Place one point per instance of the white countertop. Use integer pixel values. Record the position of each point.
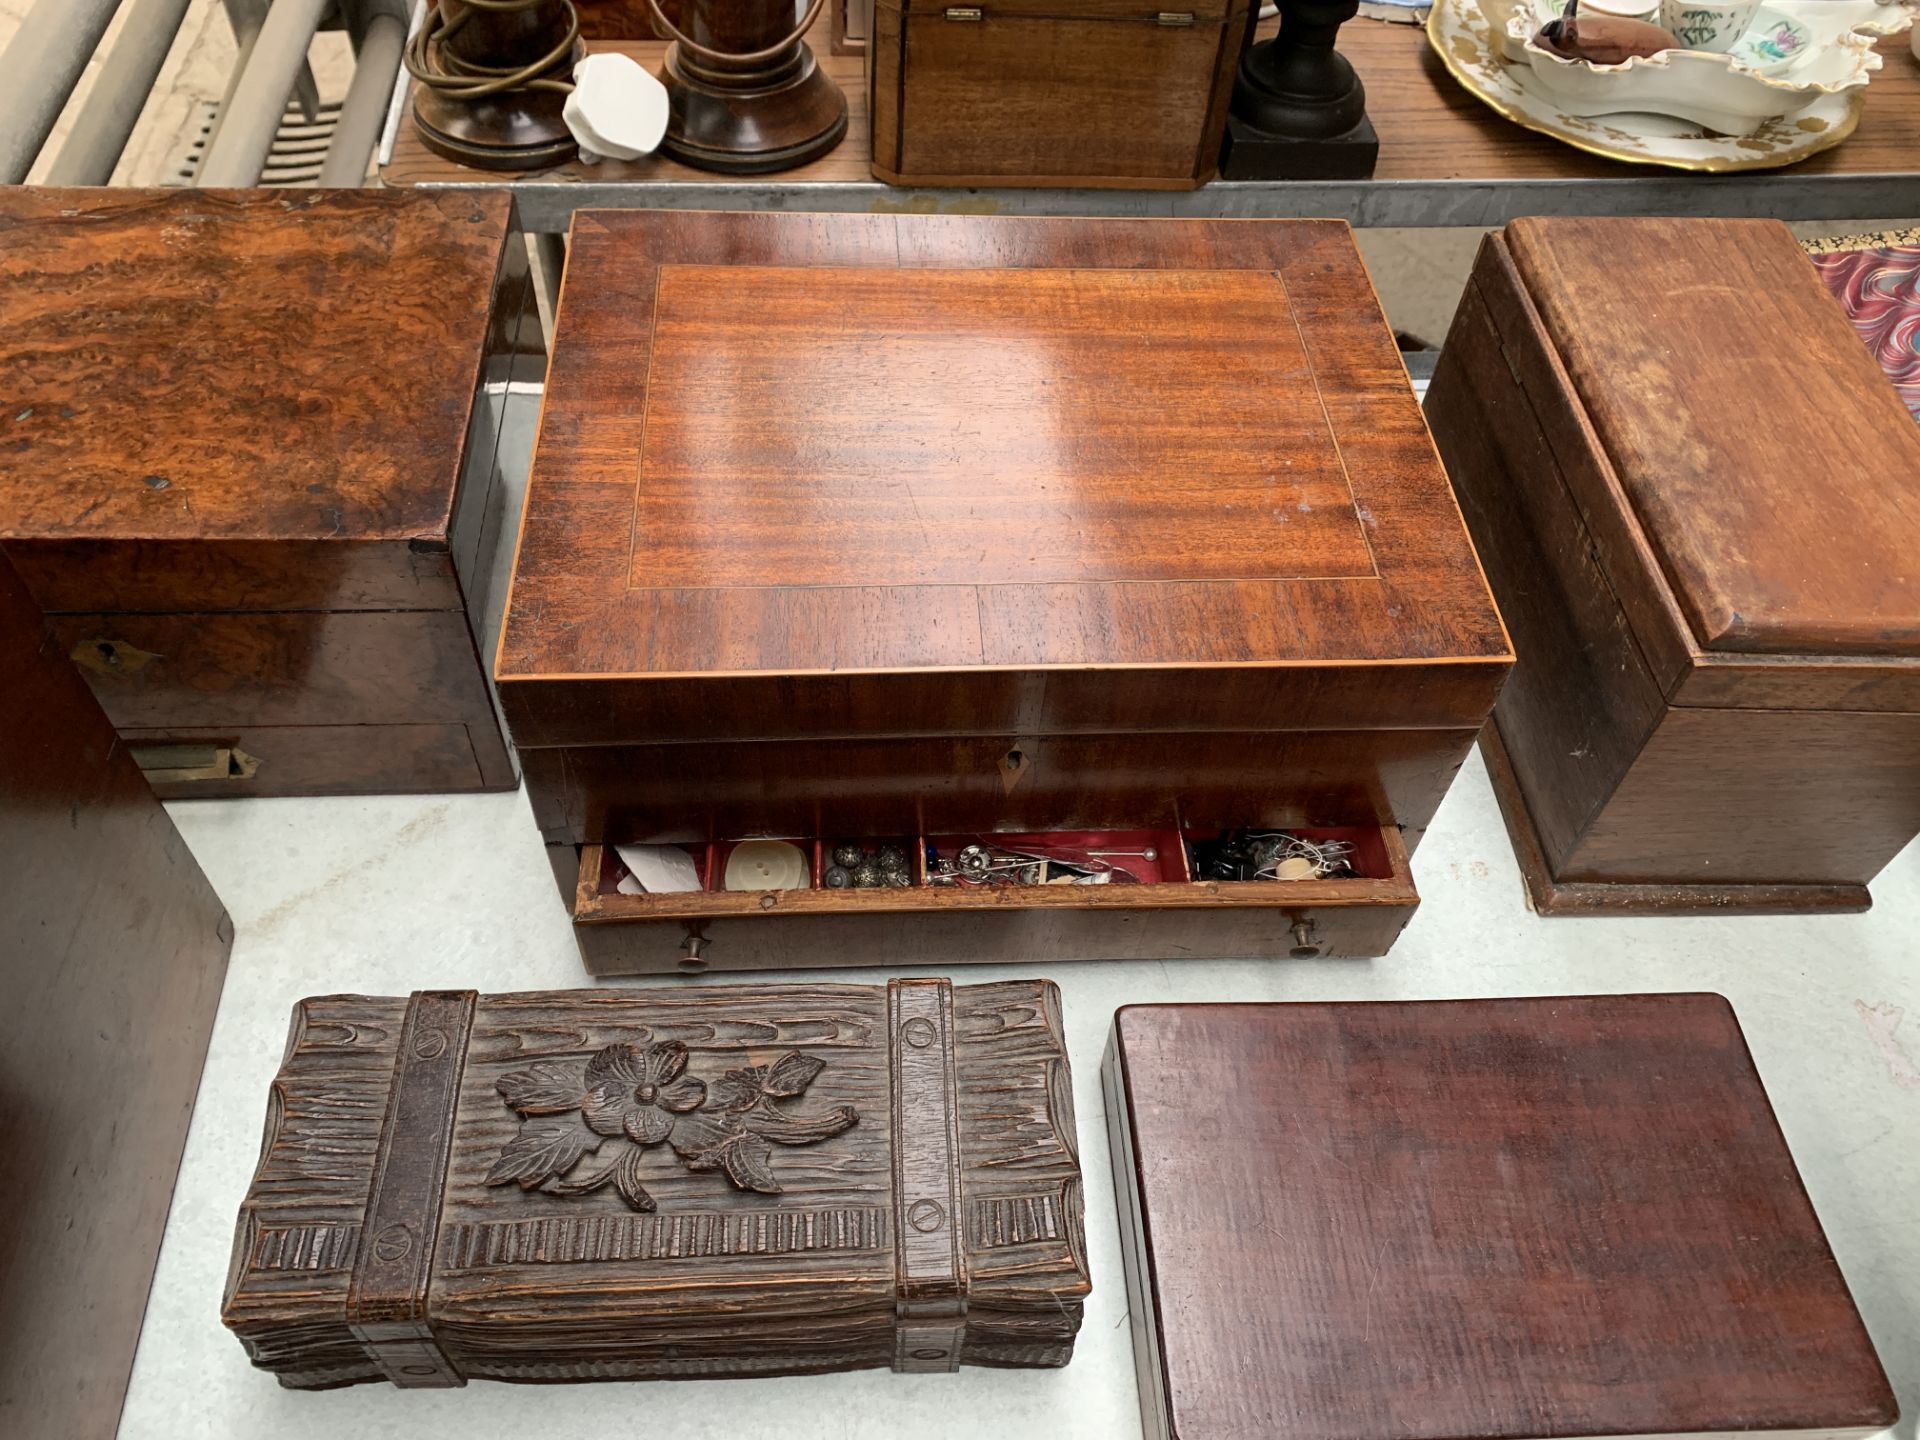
(389, 895)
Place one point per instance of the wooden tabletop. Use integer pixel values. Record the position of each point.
(1445, 159)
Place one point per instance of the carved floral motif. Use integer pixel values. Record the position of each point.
(639, 1098)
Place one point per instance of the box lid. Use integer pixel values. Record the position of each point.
(1480, 1218)
(1770, 466)
(941, 453)
(257, 399)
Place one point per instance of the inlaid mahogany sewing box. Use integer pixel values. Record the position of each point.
(1695, 493)
(113, 947)
(249, 472)
(644, 1184)
(921, 527)
(1506, 1219)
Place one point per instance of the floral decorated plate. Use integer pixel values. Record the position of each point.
(1779, 67)
(1471, 42)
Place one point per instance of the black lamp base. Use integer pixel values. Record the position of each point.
(1250, 153)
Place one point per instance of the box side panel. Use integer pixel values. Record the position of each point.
(113, 946)
(1757, 797)
(1105, 99)
(1022, 1208)
(299, 1231)
(1581, 700)
(1095, 700)
(173, 576)
(358, 668)
(996, 936)
(694, 1183)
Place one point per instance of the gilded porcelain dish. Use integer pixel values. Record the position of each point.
(1791, 55)
(1463, 33)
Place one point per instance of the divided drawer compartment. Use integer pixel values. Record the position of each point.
(1174, 916)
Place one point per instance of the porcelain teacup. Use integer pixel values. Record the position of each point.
(1707, 24)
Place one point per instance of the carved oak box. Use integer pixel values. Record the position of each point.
(923, 527)
(249, 475)
(600, 1185)
(1472, 1220)
(1715, 706)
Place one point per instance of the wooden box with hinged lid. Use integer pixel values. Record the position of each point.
(921, 527)
(608, 1185)
(1115, 93)
(1698, 510)
(249, 473)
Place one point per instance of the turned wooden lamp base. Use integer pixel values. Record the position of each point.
(1554, 897)
(521, 130)
(750, 122)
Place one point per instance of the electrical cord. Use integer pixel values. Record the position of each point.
(429, 61)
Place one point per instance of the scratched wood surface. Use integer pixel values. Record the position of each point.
(1471, 1218)
(681, 1264)
(1429, 127)
(222, 365)
(1714, 642)
(1740, 536)
(114, 947)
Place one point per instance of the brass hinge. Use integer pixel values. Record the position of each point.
(964, 12)
(1174, 17)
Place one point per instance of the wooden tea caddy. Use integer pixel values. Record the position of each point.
(1101, 93)
(113, 946)
(1505, 1219)
(925, 527)
(1693, 489)
(250, 473)
(790, 1179)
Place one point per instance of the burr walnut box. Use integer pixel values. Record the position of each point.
(1698, 513)
(632, 1184)
(249, 473)
(1504, 1219)
(925, 527)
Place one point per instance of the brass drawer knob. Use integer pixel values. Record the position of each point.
(1306, 943)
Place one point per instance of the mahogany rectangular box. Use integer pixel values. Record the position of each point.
(643, 1184)
(1697, 510)
(250, 473)
(113, 947)
(1103, 93)
(1506, 1219)
(918, 526)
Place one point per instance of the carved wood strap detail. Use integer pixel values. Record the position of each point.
(387, 1301)
(930, 1270)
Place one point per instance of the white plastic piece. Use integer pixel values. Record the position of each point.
(617, 110)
